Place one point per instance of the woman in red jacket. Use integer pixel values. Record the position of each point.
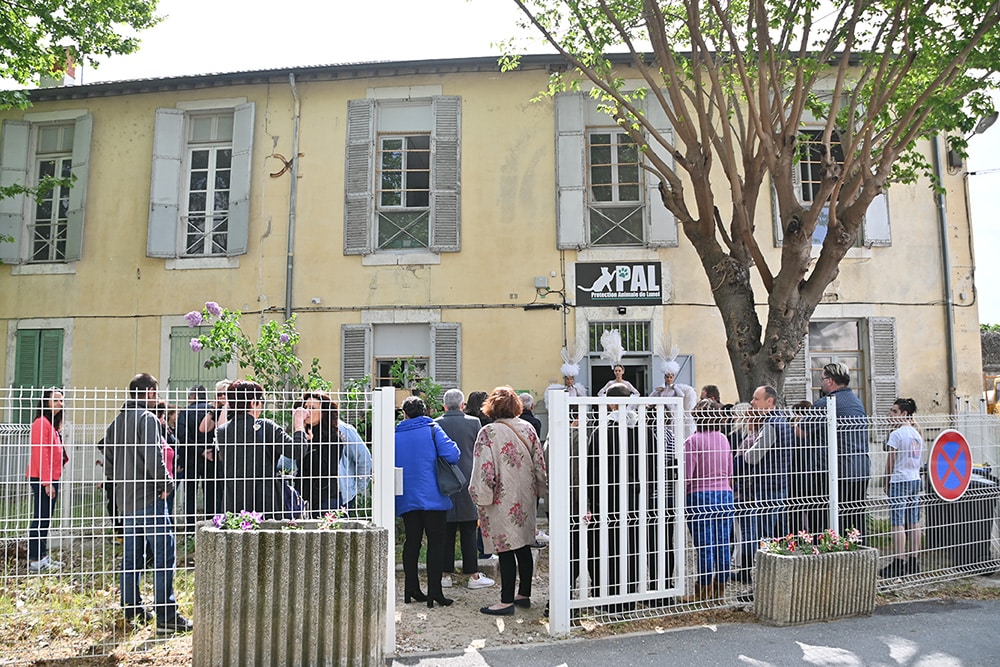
(44, 470)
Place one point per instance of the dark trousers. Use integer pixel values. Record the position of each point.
(852, 510)
(466, 530)
(515, 566)
(417, 523)
(38, 531)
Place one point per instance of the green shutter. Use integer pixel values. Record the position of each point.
(26, 358)
(50, 348)
(37, 363)
(187, 367)
(82, 133)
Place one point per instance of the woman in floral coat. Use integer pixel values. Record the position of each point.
(508, 477)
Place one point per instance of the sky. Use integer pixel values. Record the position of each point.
(204, 36)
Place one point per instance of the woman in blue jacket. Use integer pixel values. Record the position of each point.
(424, 509)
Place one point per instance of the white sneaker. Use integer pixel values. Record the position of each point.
(44, 565)
(542, 537)
(446, 581)
(482, 582)
(490, 557)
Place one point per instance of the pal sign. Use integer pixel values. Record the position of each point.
(618, 284)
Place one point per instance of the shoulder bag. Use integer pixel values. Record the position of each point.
(450, 477)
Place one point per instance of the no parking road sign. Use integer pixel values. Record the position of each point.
(950, 465)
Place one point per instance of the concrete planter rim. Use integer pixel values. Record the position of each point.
(301, 526)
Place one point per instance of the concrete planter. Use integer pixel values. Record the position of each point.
(291, 597)
(801, 589)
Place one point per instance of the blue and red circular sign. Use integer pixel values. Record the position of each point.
(950, 465)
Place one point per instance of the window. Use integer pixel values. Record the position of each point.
(37, 364)
(187, 367)
(807, 177)
(867, 346)
(402, 176)
(47, 229)
(404, 192)
(209, 159)
(604, 198)
(415, 367)
(371, 349)
(200, 183)
(615, 210)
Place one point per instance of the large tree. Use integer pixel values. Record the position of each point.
(736, 80)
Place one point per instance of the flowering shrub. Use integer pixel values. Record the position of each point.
(243, 521)
(271, 360)
(332, 520)
(803, 543)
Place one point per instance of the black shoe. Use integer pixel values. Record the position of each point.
(524, 603)
(618, 608)
(414, 595)
(440, 599)
(503, 611)
(746, 598)
(174, 625)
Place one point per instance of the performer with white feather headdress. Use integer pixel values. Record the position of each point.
(611, 341)
(570, 369)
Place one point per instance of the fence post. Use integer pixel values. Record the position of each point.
(832, 462)
(383, 494)
(559, 509)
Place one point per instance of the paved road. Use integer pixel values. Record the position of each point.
(948, 633)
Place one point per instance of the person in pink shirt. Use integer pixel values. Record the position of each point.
(708, 468)
(44, 471)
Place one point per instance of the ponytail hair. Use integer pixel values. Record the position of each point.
(907, 405)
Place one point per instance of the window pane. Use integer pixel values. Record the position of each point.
(201, 128)
(196, 202)
(223, 158)
(222, 179)
(836, 335)
(199, 159)
(224, 128)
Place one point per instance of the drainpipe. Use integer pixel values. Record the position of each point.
(949, 303)
(292, 198)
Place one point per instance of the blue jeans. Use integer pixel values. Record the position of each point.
(710, 520)
(149, 529)
(38, 531)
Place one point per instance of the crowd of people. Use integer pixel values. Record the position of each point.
(753, 471)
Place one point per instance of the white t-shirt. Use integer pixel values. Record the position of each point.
(909, 447)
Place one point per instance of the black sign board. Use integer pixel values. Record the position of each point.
(618, 284)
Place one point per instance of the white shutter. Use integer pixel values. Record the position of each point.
(661, 224)
(355, 352)
(882, 345)
(571, 165)
(446, 170)
(239, 185)
(165, 183)
(779, 233)
(13, 170)
(446, 362)
(82, 133)
(359, 200)
(797, 383)
(877, 222)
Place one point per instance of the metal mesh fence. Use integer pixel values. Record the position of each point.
(63, 551)
(746, 476)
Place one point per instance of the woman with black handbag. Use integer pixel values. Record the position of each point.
(420, 441)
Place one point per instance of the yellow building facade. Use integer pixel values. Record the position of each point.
(435, 213)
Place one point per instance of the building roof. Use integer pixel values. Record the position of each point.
(302, 74)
